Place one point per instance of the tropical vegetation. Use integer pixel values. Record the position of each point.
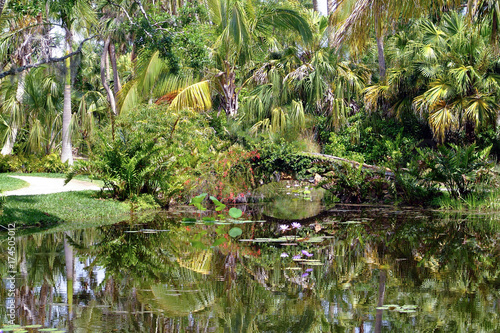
(170, 99)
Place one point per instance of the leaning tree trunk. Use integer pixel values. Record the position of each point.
(104, 79)
(116, 79)
(66, 152)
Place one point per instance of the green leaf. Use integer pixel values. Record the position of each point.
(198, 245)
(235, 232)
(220, 241)
(188, 220)
(235, 213)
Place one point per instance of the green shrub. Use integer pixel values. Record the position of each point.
(32, 163)
(285, 157)
(461, 169)
(154, 152)
(374, 140)
(355, 185)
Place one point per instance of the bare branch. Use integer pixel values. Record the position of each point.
(128, 16)
(16, 70)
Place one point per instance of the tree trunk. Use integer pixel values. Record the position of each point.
(15, 121)
(380, 48)
(315, 6)
(381, 296)
(104, 79)
(66, 152)
(2, 4)
(229, 94)
(70, 269)
(329, 11)
(116, 78)
(174, 7)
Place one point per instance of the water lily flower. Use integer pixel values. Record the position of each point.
(307, 254)
(283, 227)
(297, 257)
(296, 225)
(284, 255)
(309, 270)
(305, 274)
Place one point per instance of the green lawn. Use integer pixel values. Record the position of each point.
(9, 184)
(75, 208)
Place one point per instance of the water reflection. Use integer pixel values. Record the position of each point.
(370, 263)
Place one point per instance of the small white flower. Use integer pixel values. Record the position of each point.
(283, 227)
(296, 225)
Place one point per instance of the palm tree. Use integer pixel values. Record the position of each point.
(312, 81)
(22, 37)
(379, 14)
(240, 24)
(72, 14)
(446, 73)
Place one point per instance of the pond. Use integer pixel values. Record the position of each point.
(348, 269)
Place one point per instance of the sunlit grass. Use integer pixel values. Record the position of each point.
(60, 208)
(481, 201)
(9, 183)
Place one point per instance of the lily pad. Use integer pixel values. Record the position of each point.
(235, 213)
(235, 232)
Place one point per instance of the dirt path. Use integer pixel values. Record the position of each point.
(42, 185)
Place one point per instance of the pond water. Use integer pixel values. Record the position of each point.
(350, 269)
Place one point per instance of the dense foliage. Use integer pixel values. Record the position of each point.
(176, 98)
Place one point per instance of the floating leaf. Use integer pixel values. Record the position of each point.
(33, 326)
(188, 220)
(198, 245)
(235, 232)
(219, 241)
(208, 219)
(235, 213)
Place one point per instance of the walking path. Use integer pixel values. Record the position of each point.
(43, 185)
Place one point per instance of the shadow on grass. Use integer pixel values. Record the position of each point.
(66, 210)
(30, 217)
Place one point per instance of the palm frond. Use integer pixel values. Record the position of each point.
(196, 96)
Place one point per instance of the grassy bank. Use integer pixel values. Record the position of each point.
(10, 184)
(75, 208)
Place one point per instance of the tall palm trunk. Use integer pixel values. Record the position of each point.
(229, 92)
(66, 152)
(315, 5)
(329, 11)
(15, 121)
(380, 48)
(381, 297)
(70, 269)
